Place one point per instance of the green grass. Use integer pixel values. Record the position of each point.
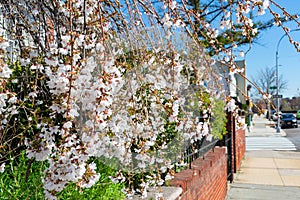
(14, 186)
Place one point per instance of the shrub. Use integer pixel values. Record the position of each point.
(23, 180)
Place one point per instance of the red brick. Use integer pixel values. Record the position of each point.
(207, 179)
(183, 179)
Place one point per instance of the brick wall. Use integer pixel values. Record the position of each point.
(238, 143)
(240, 147)
(207, 179)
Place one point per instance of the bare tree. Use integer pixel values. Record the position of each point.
(266, 81)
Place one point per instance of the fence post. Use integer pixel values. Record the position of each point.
(229, 144)
(234, 143)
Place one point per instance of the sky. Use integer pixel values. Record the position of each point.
(263, 54)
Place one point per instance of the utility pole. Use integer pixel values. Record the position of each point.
(277, 89)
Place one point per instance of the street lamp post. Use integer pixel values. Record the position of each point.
(277, 87)
(277, 81)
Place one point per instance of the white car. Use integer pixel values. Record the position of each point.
(274, 116)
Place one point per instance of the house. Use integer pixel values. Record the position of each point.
(234, 83)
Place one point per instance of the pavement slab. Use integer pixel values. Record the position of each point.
(289, 172)
(270, 171)
(288, 163)
(264, 176)
(262, 192)
(273, 154)
(291, 180)
(259, 163)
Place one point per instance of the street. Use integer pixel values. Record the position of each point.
(293, 134)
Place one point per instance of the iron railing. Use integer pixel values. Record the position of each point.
(199, 148)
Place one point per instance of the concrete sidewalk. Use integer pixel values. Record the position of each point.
(262, 127)
(267, 174)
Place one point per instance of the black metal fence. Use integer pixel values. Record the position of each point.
(198, 148)
(227, 142)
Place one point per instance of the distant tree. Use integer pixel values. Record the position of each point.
(294, 102)
(285, 105)
(266, 81)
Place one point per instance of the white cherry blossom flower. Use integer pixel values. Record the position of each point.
(68, 124)
(266, 4)
(2, 167)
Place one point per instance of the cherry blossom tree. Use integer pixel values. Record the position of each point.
(118, 80)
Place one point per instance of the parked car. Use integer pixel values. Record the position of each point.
(288, 120)
(274, 116)
(298, 114)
